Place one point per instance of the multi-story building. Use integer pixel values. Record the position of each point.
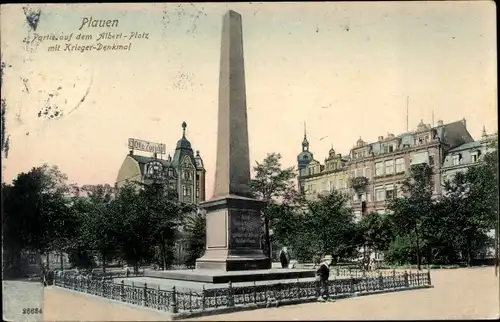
(319, 178)
(374, 171)
(184, 172)
(460, 158)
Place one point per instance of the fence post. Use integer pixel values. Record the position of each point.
(158, 296)
(393, 272)
(351, 285)
(122, 291)
(230, 298)
(380, 281)
(190, 301)
(429, 277)
(203, 298)
(145, 295)
(255, 292)
(173, 304)
(102, 287)
(86, 284)
(298, 289)
(407, 284)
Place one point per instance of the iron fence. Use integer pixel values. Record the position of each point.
(356, 272)
(176, 301)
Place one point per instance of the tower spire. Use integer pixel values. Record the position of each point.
(184, 125)
(305, 143)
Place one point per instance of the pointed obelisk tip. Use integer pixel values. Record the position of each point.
(233, 13)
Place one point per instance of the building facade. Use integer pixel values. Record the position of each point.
(460, 158)
(319, 178)
(373, 172)
(184, 172)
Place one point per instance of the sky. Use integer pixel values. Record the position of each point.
(344, 68)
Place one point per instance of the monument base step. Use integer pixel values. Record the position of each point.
(220, 277)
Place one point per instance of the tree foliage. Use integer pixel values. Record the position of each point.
(332, 222)
(276, 188)
(195, 235)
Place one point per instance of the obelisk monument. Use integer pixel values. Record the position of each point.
(233, 233)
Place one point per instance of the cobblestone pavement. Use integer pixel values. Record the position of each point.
(457, 294)
(19, 295)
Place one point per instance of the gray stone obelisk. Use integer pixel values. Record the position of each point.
(233, 233)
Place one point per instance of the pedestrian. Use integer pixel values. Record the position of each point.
(284, 257)
(322, 275)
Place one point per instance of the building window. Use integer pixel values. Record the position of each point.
(455, 160)
(391, 148)
(197, 192)
(390, 193)
(359, 173)
(368, 173)
(341, 183)
(399, 192)
(368, 197)
(431, 160)
(379, 168)
(400, 165)
(186, 191)
(474, 157)
(379, 194)
(389, 167)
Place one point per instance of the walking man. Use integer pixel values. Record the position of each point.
(322, 275)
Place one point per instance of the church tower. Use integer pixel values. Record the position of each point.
(303, 159)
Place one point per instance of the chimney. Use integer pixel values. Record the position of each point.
(464, 122)
(380, 138)
(440, 122)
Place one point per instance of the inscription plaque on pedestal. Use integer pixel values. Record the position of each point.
(245, 229)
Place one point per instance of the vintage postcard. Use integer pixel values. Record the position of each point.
(219, 161)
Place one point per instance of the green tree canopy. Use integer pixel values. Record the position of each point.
(332, 223)
(277, 188)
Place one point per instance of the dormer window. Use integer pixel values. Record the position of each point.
(391, 148)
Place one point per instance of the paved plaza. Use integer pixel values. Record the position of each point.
(457, 294)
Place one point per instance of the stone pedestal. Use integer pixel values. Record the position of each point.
(233, 240)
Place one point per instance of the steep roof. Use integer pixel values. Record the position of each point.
(466, 146)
